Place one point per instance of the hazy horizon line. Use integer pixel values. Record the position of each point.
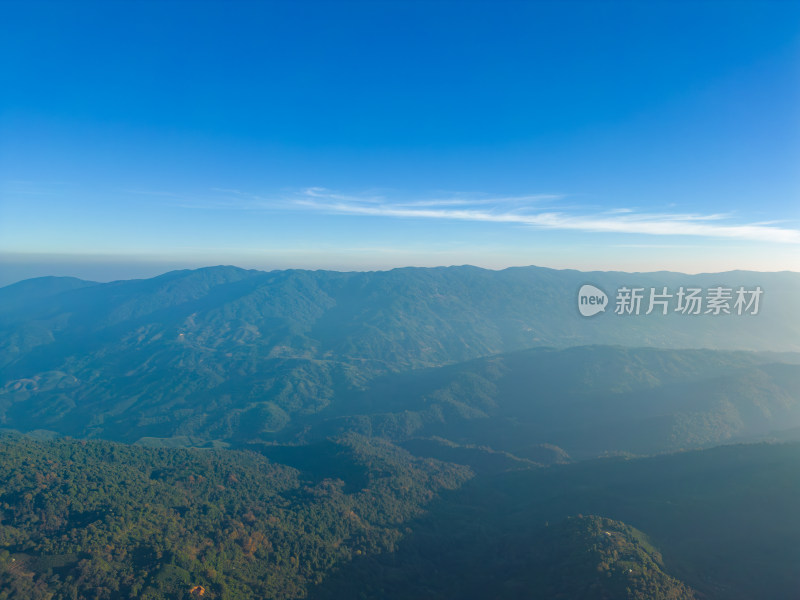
(149, 266)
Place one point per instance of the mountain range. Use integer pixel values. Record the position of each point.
(229, 354)
(417, 433)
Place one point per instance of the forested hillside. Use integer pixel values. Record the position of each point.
(362, 518)
(586, 400)
(224, 353)
(418, 433)
(100, 520)
(722, 521)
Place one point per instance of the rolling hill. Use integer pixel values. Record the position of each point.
(416, 433)
(228, 354)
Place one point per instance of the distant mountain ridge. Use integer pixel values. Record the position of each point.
(383, 435)
(403, 317)
(587, 401)
(225, 353)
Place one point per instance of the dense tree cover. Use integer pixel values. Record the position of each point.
(724, 519)
(591, 558)
(321, 433)
(597, 559)
(100, 520)
(586, 401)
(90, 519)
(411, 316)
(224, 353)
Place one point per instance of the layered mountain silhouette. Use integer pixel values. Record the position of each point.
(229, 354)
(417, 433)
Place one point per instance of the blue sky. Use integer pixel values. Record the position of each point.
(141, 136)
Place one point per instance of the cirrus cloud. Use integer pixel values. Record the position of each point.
(522, 211)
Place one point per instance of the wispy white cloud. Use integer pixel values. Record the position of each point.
(482, 201)
(625, 221)
(540, 211)
(325, 194)
(656, 246)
